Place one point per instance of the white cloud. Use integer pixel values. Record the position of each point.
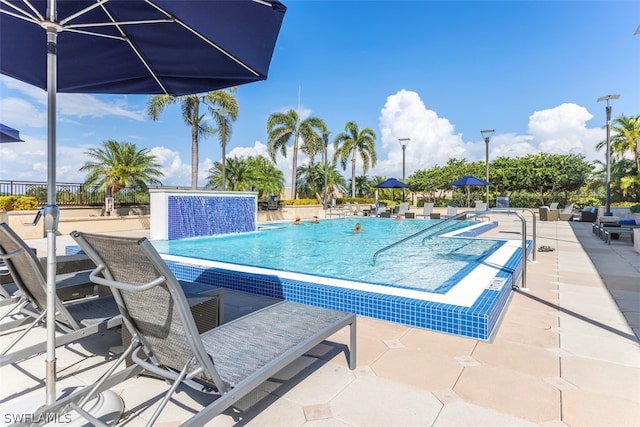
(27, 161)
(433, 140)
(559, 130)
(563, 129)
(20, 112)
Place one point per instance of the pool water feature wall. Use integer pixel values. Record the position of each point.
(178, 214)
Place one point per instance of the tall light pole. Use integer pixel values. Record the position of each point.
(325, 138)
(403, 143)
(608, 179)
(486, 134)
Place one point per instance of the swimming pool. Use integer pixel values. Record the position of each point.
(330, 249)
(410, 284)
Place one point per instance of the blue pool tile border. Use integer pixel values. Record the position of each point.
(478, 321)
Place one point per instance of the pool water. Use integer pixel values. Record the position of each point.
(330, 249)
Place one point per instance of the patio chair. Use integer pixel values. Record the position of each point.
(481, 207)
(403, 209)
(589, 214)
(452, 210)
(75, 319)
(567, 213)
(72, 281)
(553, 206)
(351, 209)
(230, 360)
(359, 210)
(427, 209)
(546, 214)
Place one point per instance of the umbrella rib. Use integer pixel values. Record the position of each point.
(135, 50)
(206, 40)
(98, 3)
(110, 24)
(35, 17)
(220, 49)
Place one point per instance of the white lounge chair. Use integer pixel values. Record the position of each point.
(427, 209)
(403, 209)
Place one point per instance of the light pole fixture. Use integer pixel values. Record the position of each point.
(607, 98)
(486, 134)
(403, 143)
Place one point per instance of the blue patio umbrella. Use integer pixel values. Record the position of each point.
(129, 47)
(390, 183)
(9, 134)
(468, 181)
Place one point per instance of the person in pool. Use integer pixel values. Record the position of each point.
(358, 228)
(315, 220)
(297, 221)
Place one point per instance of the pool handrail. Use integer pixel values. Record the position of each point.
(394, 244)
(534, 233)
(473, 214)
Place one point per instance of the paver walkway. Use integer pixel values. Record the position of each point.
(566, 354)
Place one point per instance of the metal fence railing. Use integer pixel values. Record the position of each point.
(73, 194)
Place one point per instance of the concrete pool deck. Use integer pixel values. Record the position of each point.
(566, 354)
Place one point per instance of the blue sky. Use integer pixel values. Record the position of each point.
(435, 72)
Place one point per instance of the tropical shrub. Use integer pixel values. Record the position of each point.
(20, 203)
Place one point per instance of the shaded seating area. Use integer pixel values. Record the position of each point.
(229, 361)
(75, 319)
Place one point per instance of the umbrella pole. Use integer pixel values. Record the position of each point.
(51, 211)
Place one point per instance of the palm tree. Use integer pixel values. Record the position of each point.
(363, 186)
(253, 173)
(268, 179)
(222, 105)
(310, 179)
(118, 165)
(626, 137)
(282, 126)
(352, 142)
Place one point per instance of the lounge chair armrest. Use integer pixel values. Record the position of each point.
(120, 285)
(11, 254)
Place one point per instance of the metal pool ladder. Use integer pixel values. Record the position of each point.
(473, 214)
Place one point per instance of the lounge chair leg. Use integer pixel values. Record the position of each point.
(25, 332)
(352, 346)
(167, 396)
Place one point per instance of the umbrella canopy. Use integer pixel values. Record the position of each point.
(468, 181)
(140, 47)
(392, 183)
(8, 134)
(129, 47)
